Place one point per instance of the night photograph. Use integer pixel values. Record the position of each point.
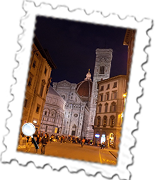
(76, 90)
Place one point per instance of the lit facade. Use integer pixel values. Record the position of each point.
(101, 71)
(74, 114)
(53, 113)
(37, 85)
(81, 98)
(109, 109)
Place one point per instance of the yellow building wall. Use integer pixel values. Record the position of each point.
(32, 94)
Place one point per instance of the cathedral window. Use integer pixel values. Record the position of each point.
(106, 107)
(63, 96)
(101, 69)
(75, 115)
(115, 85)
(25, 103)
(45, 113)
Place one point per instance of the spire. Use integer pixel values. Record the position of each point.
(88, 76)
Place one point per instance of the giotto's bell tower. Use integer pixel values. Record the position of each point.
(101, 72)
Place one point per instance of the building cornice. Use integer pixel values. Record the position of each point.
(44, 53)
(112, 78)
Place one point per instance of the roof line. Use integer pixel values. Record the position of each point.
(44, 52)
(119, 76)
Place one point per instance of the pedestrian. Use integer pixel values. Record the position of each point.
(82, 142)
(38, 141)
(103, 145)
(61, 139)
(51, 138)
(44, 143)
(28, 144)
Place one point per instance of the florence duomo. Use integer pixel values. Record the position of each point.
(80, 100)
(76, 90)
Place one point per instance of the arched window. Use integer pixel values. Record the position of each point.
(112, 121)
(101, 69)
(74, 126)
(98, 120)
(46, 112)
(106, 107)
(63, 96)
(113, 107)
(99, 108)
(104, 121)
(53, 113)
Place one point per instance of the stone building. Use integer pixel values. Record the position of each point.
(53, 113)
(81, 98)
(38, 83)
(77, 97)
(110, 106)
(129, 41)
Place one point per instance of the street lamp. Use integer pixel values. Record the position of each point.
(124, 95)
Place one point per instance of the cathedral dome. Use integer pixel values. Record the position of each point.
(84, 88)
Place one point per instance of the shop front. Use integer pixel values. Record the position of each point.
(112, 140)
(97, 139)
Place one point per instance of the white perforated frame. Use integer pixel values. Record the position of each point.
(132, 107)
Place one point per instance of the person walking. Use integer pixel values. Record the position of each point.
(103, 145)
(38, 140)
(61, 139)
(82, 142)
(44, 143)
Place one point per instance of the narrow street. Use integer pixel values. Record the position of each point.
(75, 151)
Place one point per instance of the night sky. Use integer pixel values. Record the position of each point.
(72, 47)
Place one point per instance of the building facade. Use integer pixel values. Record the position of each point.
(38, 83)
(75, 107)
(109, 109)
(129, 41)
(81, 98)
(53, 113)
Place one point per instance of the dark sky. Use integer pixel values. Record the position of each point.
(72, 47)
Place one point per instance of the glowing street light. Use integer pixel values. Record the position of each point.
(124, 95)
